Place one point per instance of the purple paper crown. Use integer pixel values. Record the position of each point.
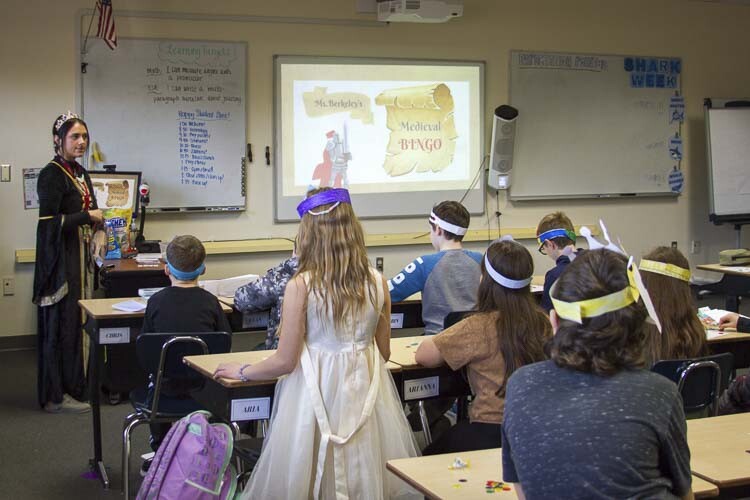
(324, 198)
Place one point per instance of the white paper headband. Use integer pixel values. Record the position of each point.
(502, 280)
(447, 226)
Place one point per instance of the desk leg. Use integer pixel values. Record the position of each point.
(97, 463)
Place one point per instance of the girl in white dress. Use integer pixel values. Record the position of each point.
(336, 415)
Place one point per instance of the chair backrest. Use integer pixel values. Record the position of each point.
(160, 354)
(700, 381)
(454, 317)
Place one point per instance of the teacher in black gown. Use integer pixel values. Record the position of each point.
(64, 271)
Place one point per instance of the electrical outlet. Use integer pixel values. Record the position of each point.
(674, 245)
(9, 286)
(695, 246)
(5, 176)
(379, 264)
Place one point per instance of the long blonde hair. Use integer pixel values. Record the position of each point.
(331, 249)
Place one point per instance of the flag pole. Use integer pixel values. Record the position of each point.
(88, 31)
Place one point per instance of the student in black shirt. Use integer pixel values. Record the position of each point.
(183, 307)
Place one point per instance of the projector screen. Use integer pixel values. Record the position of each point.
(400, 135)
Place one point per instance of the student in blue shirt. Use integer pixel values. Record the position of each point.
(448, 279)
(557, 238)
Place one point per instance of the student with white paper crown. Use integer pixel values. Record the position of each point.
(449, 278)
(508, 331)
(591, 422)
(448, 281)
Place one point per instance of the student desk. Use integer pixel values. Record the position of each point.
(432, 477)
(237, 401)
(735, 282)
(107, 327)
(404, 314)
(718, 449)
(123, 277)
(731, 341)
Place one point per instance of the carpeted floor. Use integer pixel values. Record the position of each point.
(45, 455)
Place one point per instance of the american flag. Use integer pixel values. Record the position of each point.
(106, 30)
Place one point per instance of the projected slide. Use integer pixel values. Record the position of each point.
(379, 128)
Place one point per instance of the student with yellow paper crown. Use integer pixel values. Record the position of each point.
(666, 274)
(591, 422)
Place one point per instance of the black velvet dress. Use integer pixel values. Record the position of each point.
(63, 270)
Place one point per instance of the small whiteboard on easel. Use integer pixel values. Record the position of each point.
(728, 148)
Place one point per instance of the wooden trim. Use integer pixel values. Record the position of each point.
(28, 255)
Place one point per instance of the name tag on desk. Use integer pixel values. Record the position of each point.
(255, 319)
(250, 409)
(117, 335)
(397, 320)
(421, 388)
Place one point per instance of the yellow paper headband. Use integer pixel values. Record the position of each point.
(665, 269)
(589, 308)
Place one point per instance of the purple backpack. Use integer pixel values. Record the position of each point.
(193, 462)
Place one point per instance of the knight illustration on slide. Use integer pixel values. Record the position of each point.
(332, 172)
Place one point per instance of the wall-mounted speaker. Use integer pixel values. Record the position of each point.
(501, 151)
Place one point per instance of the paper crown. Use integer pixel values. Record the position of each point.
(335, 196)
(499, 278)
(589, 308)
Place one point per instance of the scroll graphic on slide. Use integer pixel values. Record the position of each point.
(423, 131)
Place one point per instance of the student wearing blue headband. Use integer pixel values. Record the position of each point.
(184, 307)
(556, 237)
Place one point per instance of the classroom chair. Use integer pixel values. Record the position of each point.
(462, 413)
(160, 354)
(700, 381)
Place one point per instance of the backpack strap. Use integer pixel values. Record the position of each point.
(327, 436)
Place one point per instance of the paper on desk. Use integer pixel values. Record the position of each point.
(147, 257)
(227, 286)
(129, 306)
(710, 316)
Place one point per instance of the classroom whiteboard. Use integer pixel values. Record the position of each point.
(728, 131)
(595, 125)
(174, 110)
